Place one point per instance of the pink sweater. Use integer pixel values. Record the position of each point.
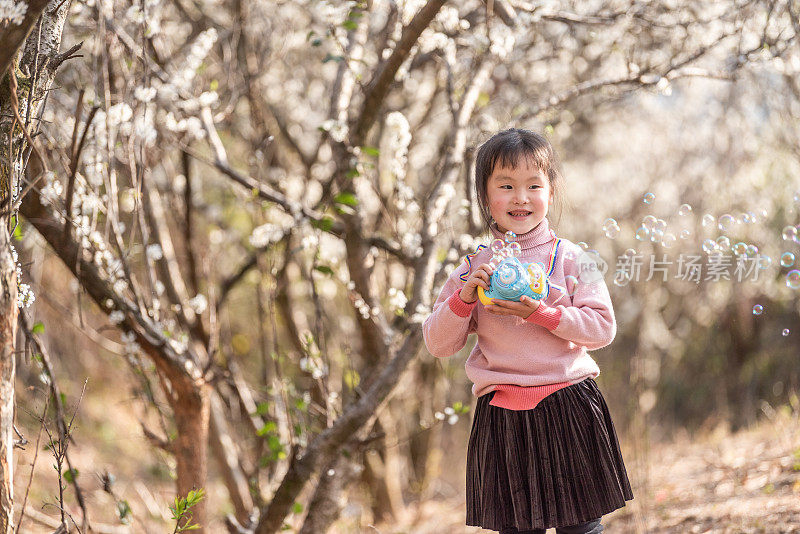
(525, 360)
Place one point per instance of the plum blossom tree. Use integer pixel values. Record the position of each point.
(299, 174)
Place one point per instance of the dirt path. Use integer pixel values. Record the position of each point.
(747, 482)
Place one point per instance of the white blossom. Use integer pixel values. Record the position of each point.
(397, 299)
(336, 129)
(198, 303)
(334, 13)
(52, 190)
(154, 252)
(13, 11)
(25, 296)
(410, 8)
(265, 234)
(208, 98)
(116, 317)
(502, 41)
(398, 133)
(145, 94)
(130, 346)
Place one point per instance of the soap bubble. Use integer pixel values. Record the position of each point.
(725, 222)
(708, 220)
(709, 245)
(785, 332)
(612, 232)
(515, 248)
(787, 259)
(622, 278)
(649, 222)
(630, 253)
(661, 225)
(571, 282)
(793, 279)
(789, 233)
(764, 262)
(723, 242)
(497, 246)
(753, 217)
(668, 240)
(656, 235)
(583, 244)
(609, 222)
(510, 237)
(642, 233)
(648, 198)
(758, 309)
(684, 210)
(740, 248)
(686, 234)
(752, 250)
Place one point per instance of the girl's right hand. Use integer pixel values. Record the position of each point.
(469, 293)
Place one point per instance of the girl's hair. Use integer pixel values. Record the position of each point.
(505, 149)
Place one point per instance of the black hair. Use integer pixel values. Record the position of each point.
(505, 149)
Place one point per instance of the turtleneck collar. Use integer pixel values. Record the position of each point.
(540, 234)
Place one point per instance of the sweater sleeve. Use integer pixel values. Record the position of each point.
(446, 329)
(589, 321)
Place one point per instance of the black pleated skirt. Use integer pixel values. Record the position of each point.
(556, 465)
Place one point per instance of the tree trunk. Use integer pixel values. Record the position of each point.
(191, 406)
(224, 450)
(8, 331)
(330, 495)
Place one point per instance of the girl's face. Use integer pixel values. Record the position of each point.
(518, 198)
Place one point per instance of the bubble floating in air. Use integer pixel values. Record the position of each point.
(725, 222)
(785, 332)
(684, 210)
(793, 279)
(648, 198)
(709, 220)
(758, 309)
(787, 259)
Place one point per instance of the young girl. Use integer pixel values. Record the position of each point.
(543, 451)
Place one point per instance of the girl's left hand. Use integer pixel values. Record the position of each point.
(523, 308)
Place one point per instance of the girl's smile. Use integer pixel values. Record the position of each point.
(518, 198)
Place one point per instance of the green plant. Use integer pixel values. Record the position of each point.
(182, 510)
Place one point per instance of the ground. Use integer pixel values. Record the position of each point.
(713, 481)
(717, 482)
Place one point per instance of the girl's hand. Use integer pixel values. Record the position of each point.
(523, 308)
(469, 293)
